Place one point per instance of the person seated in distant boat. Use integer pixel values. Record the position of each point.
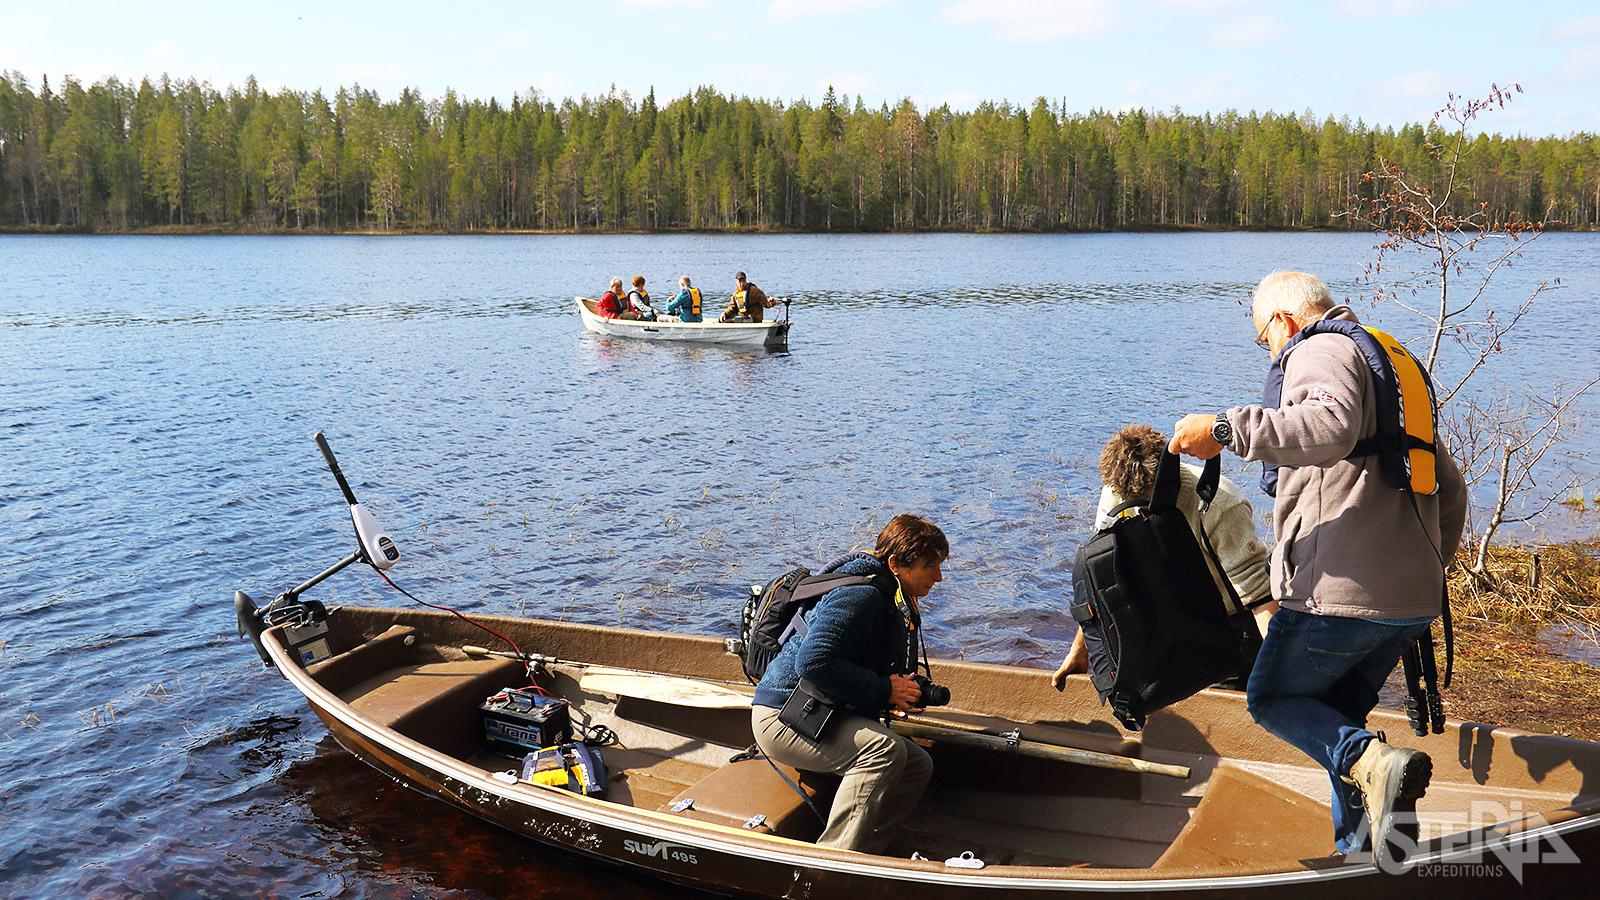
(747, 303)
(613, 304)
(685, 304)
(1128, 472)
(860, 647)
(639, 300)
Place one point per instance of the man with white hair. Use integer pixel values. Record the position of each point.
(614, 303)
(1358, 565)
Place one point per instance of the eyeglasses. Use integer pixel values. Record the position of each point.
(1261, 335)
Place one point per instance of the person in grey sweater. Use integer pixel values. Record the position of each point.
(1357, 568)
(1128, 472)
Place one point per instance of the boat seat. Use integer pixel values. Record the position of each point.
(1243, 819)
(737, 793)
(436, 703)
(345, 670)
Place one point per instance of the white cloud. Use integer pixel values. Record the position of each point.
(164, 54)
(1033, 21)
(1246, 31)
(514, 40)
(1579, 71)
(1201, 7)
(1391, 8)
(1433, 83)
(1574, 29)
(793, 10)
(660, 5)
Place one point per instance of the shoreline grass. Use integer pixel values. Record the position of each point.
(1506, 671)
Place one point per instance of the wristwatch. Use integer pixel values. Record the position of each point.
(1221, 431)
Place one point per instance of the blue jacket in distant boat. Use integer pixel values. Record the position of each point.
(685, 304)
(855, 638)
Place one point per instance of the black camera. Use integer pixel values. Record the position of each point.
(932, 694)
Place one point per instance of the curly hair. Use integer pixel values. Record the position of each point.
(912, 540)
(1128, 462)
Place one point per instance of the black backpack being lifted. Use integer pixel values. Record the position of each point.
(774, 613)
(1157, 628)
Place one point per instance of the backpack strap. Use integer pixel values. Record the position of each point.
(1210, 480)
(1246, 633)
(808, 589)
(1168, 481)
(1117, 511)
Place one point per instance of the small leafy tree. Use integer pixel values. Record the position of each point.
(1439, 253)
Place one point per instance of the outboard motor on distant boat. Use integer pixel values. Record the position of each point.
(303, 618)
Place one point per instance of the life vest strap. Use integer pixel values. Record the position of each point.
(1405, 443)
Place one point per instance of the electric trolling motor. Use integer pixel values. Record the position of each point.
(373, 546)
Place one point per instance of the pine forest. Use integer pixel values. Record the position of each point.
(115, 156)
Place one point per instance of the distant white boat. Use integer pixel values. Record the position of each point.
(732, 334)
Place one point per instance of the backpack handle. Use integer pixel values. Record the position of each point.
(1168, 480)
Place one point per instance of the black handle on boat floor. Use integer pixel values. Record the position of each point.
(333, 464)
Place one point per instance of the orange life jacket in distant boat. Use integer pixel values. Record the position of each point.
(694, 301)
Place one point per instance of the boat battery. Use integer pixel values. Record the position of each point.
(517, 722)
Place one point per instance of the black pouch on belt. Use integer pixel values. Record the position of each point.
(808, 711)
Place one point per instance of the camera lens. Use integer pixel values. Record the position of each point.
(932, 694)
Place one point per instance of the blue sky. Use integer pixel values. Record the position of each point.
(1385, 61)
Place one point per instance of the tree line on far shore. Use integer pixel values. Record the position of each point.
(116, 156)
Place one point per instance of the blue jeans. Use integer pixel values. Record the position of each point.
(1314, 682)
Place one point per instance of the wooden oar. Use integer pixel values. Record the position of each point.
(681, 691)
(1037, 749)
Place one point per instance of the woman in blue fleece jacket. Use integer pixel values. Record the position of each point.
(860, 648)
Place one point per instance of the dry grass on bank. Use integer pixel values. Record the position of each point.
(1505, 674)
(1531, 585)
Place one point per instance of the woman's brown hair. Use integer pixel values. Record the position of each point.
(1128, 462)
(913, 540)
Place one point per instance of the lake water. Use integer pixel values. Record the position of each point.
(157, 404)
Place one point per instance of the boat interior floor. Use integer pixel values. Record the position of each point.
(1004, 808)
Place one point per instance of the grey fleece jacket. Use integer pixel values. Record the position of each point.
(1347, 544)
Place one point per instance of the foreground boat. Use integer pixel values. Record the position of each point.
(1035, 793)
(1506, 810)
(774, 334)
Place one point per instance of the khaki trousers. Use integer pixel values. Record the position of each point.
(884, 774)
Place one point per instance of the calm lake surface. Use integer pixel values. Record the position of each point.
(157, 404)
